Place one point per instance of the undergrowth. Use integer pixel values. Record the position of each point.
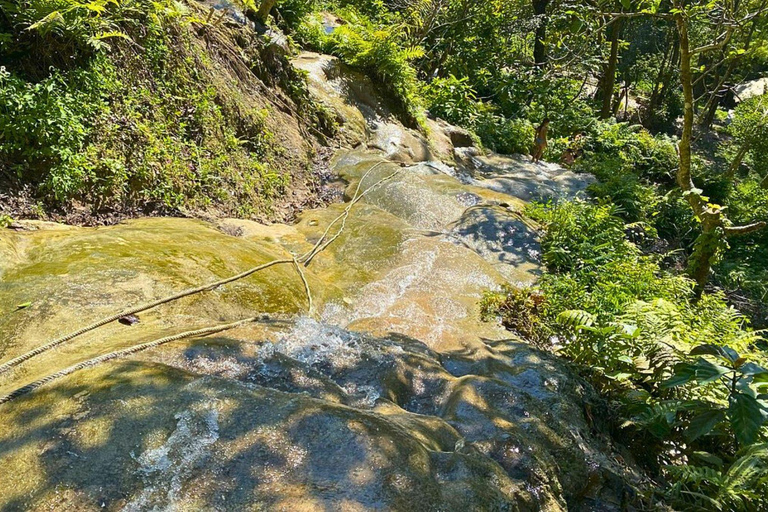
(375, 48)
(688, 379)
(129, 114)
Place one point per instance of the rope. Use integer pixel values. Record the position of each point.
(306, 283)
(121, 353)
(320, 246)
(132, 311)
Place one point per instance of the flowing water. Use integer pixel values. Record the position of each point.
(390, 394)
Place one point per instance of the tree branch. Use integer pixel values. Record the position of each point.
(743, 230)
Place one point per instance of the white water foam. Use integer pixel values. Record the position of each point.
(166, 469)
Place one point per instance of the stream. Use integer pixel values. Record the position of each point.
(390, 394)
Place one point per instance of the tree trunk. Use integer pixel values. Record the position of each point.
(653, 102)
(714, 229)
(609, 76)
(707, 247)
(264, 10)
(539, 49)
(736, 163)
(710, 109)
(708, 242)
(674, 60)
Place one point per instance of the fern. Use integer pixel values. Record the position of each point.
(576, 319)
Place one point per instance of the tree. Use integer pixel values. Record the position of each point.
(730, 16)
(750, 132)
(260, 15)
(715, 226)
(609, 73)
(539, 47)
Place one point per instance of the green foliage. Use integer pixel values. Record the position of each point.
(63, 32)
(505, 135)
(741, 382)
(376, 49)
(44, 126)
(745, 266)
(739, 486)
(293, 12)
(580, 235)
(453, 99)
(630, 149)
(750, 130)
(152, 131)
(520, 310)
(684, 374)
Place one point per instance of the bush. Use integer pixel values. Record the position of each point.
(64, 33)
(505, 135)
(293, 12)
(44, 127)
(750, 129)
(454, 100)
(376, 50)
(152, 131)
(629, 149)
(519, 309)
(636, 202)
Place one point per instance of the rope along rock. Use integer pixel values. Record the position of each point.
(305, 259)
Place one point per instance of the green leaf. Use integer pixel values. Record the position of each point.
(726, 353)
(703, 423)
(752, 369)
(707, 372)
(618, 375)
(684, 373)
(746, 417)
(53, 17)
(709, 458)
(576, 318)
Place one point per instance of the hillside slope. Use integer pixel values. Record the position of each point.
(187, 112)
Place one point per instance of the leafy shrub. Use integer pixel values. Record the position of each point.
(44, 126)
(630, 149)
(519, 308)
(745, 266)
(636, 201)
(580, 234)
(452, 99)
(152, 131)
(750, 129)
(505, 135)
(64, 32)
(526, 93)
(293, 12)
(685, 375)
(376, 50)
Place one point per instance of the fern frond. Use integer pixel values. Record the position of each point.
(576, 318)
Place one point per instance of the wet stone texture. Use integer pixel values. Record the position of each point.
(317, 418)
(389, 395)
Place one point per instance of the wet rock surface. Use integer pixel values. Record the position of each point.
(389, 395)
(313, 417)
